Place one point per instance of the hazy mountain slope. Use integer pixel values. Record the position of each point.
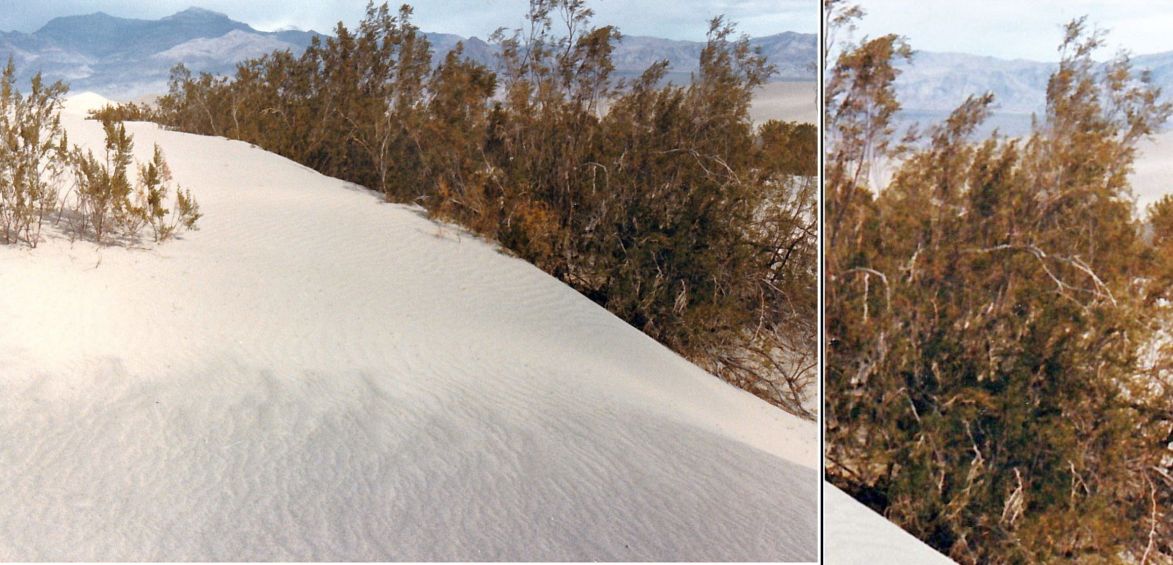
(933, 84)
(317, 375)
(127, 58)
(942, 81)
(103, 35)
(225, 50)
(794, 55)
(1161, 66)
(474, 48)
(29, 52)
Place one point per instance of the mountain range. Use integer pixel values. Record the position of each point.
(933, 84)
(124, 58)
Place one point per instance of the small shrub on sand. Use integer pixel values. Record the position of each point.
(109, 205)
(33, 157)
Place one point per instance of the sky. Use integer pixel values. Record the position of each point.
(1019, 29)
(673, 19)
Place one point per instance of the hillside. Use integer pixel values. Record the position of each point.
(128, 58)
(933, 84)
(938, 82)
(125, 58)
(316, 375)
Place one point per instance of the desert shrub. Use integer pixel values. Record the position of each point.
(533, 233)
(125, 112)
(669, 208)
(789, 148)
(154, 178)
(36, 162)
(108, 204)
(104, 188)
(994, 383)
(33, 159)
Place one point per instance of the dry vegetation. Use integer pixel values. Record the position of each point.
(670, 208)
(103, 201)
(995, 381)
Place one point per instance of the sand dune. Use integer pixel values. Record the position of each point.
(1153, 174)
(317, 375)
(855, 535)
(786, 101)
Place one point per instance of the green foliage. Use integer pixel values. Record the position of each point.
(663, 204)
(991, 379)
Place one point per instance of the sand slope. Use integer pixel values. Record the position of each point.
(786, 101)
(855, 535)
(317, 375)
(1153, 171)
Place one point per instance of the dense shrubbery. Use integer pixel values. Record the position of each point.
(997, 381)
(662, 203)
(37, 163)
(125, 112)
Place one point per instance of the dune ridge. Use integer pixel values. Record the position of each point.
(315, 374)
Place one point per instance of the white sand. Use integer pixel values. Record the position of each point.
(786, 101)
(1153, 174)
(316, 375)
(78, 105)
(855, 535)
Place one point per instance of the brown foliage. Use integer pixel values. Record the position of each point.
(995, 379)
(36, 161)
(668, 209)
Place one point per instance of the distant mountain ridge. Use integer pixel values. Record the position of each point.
(126, 58)
(935, 83)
